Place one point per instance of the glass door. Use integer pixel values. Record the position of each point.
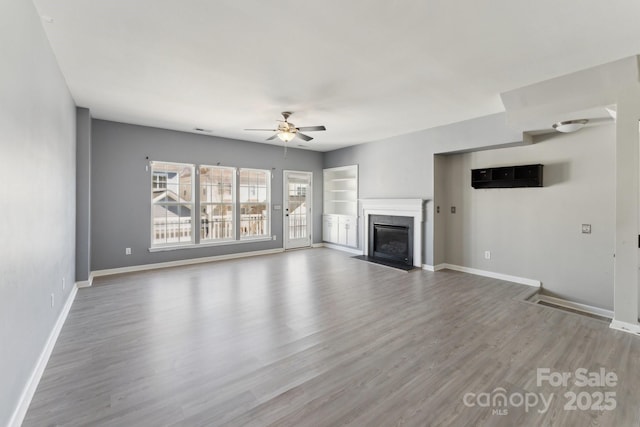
(297, 209)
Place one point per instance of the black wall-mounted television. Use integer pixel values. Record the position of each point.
(507, 177)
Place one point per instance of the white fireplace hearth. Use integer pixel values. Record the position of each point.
(395, 207)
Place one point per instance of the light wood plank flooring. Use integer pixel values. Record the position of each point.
(316, 338)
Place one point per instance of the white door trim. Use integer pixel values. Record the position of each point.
(285, 205)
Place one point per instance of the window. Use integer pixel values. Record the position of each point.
(217, 202)
(254, 203)
(172, 204)
(225, 204)
(160, 180)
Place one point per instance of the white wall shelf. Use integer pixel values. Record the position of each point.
(340, 219)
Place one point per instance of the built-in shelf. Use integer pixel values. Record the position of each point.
(341, 191)
(340, 219)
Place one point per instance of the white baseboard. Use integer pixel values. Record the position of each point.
(317, 245)
(499, 276)
(631, 328)
(343, 248)
(436, 267)
(191, 261)
(83, 284)
(590, 309)
(38, 370)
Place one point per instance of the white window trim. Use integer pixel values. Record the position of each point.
(234, 202)
(192, 203)
(209, 244)
(267, 235)
(196, 242)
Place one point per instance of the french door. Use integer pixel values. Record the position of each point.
(298, 221)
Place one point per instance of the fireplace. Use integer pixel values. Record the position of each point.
(391, 239)
(412, 212)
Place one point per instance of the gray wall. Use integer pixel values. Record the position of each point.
(536, 232)
(83, 194)
(120, 188)
(532, 233)
(402, 167)
(37, 197)
(441, 204)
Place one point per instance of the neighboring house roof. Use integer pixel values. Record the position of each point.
(160, 196)
(169, 211)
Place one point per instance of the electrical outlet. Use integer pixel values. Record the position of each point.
(586, 228)
(487, 254)
(274, 237)
(63, 284)
(453, 209)
(127, 251)
(52, 300)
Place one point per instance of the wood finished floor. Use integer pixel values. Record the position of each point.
(316, 338)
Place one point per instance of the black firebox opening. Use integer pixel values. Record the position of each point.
(391, 238)
(391, 242)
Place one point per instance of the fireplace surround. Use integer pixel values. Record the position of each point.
(412, 208)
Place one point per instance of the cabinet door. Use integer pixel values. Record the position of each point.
(352, 232)
(330, 228)
(342, 232)
(348, 233)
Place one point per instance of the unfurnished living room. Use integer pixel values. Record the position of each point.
(365, 213)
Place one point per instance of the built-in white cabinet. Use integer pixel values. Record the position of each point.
(340, 229)
(340, 219)
(330, 228)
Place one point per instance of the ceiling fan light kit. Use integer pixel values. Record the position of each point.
(286, 136)
(286, 130)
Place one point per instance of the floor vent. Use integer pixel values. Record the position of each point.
(570, 307)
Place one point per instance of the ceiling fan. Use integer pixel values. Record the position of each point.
(286, 130)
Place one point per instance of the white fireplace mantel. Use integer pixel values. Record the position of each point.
(399, 207)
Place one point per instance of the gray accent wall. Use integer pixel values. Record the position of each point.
(37, 200)
(121, 198)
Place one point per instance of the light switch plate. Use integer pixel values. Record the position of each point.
(586, 228)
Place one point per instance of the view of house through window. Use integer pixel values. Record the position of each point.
(254, 203)
(172, 204)
(231, 203)
(217, 200)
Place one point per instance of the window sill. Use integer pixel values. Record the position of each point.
(208, 244)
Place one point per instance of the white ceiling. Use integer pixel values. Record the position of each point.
(366, 69)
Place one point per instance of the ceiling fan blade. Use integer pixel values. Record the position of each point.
(311, 128)
(275, 135)
(270, 130)
(303, 136)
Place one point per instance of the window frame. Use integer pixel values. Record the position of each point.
(196, 205)
(267, 232)
(202, 204)
(192, 204)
